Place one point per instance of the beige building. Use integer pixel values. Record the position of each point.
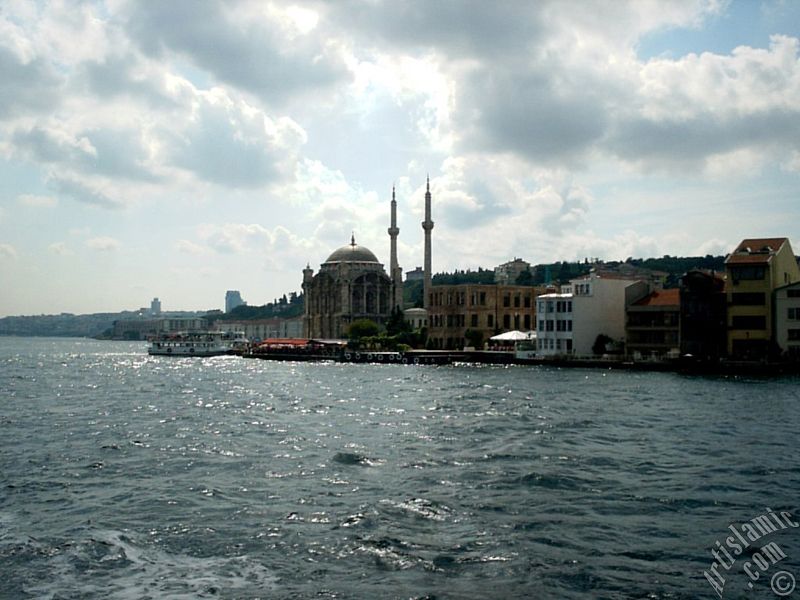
(456, 312)
(598, 307)
(755, 270)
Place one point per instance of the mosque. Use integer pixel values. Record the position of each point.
(352, 284)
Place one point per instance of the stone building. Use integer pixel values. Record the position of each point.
(351, 285)
(481, 309)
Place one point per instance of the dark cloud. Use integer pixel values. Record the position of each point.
(224, 146)
(26, 87)
(115, 76)
(508, 110)
(251, 56)
(681, 142)
(108, 152)
(456, 29)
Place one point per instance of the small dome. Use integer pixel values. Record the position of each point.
(352, 253)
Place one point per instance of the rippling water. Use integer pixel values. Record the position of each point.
(128, 476)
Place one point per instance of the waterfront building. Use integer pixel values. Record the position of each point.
(155, 307)
(652, 330)
(469, 314)
(599, 303)
(417, 318)
(352, 284)
(755, 270)
(262, 329)
(703, 311)
(233, 299)
(509, 272)
(787, 320)
(554, 324)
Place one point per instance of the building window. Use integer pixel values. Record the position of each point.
(516, 301)
(483, 298)
(490, 320)
(569, 305)
(793, 293)
(748, 322)
(507, 321)
(569, 325)
(550, 325)
(527, 301)
(506, 301)
(541, 324)
(748, 298)
(794, 335)
(474, 320)
(749, 273)
(527, 321)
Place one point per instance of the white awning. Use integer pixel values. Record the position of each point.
(513, 336)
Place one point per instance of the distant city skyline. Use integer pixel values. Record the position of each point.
(178, 150)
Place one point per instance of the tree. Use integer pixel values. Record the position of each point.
(363, 328)
(397, 323)
(600, 343)
(474, 338)
(525, 278)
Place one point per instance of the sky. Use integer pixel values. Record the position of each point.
(181, 149)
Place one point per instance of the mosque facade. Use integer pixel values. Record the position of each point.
(352, 284)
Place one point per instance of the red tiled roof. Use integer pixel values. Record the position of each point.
(669, 297)
(755, 251)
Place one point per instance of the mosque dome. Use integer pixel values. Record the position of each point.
(352, 253)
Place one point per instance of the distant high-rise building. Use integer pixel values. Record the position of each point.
(233, 299)
(155, 307)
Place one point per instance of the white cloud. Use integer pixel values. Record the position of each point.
(37, 201)
(60, 248)
(188, 247)
(8, 251)
(103, 244)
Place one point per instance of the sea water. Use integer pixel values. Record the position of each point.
(129, 476)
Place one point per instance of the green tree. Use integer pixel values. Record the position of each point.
(361, 328)
(397, 323)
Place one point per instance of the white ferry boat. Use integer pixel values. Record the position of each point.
(197, 343)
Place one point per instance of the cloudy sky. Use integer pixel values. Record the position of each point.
(179, 149)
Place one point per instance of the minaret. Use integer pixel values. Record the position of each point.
(427, 225)
(395, 272)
